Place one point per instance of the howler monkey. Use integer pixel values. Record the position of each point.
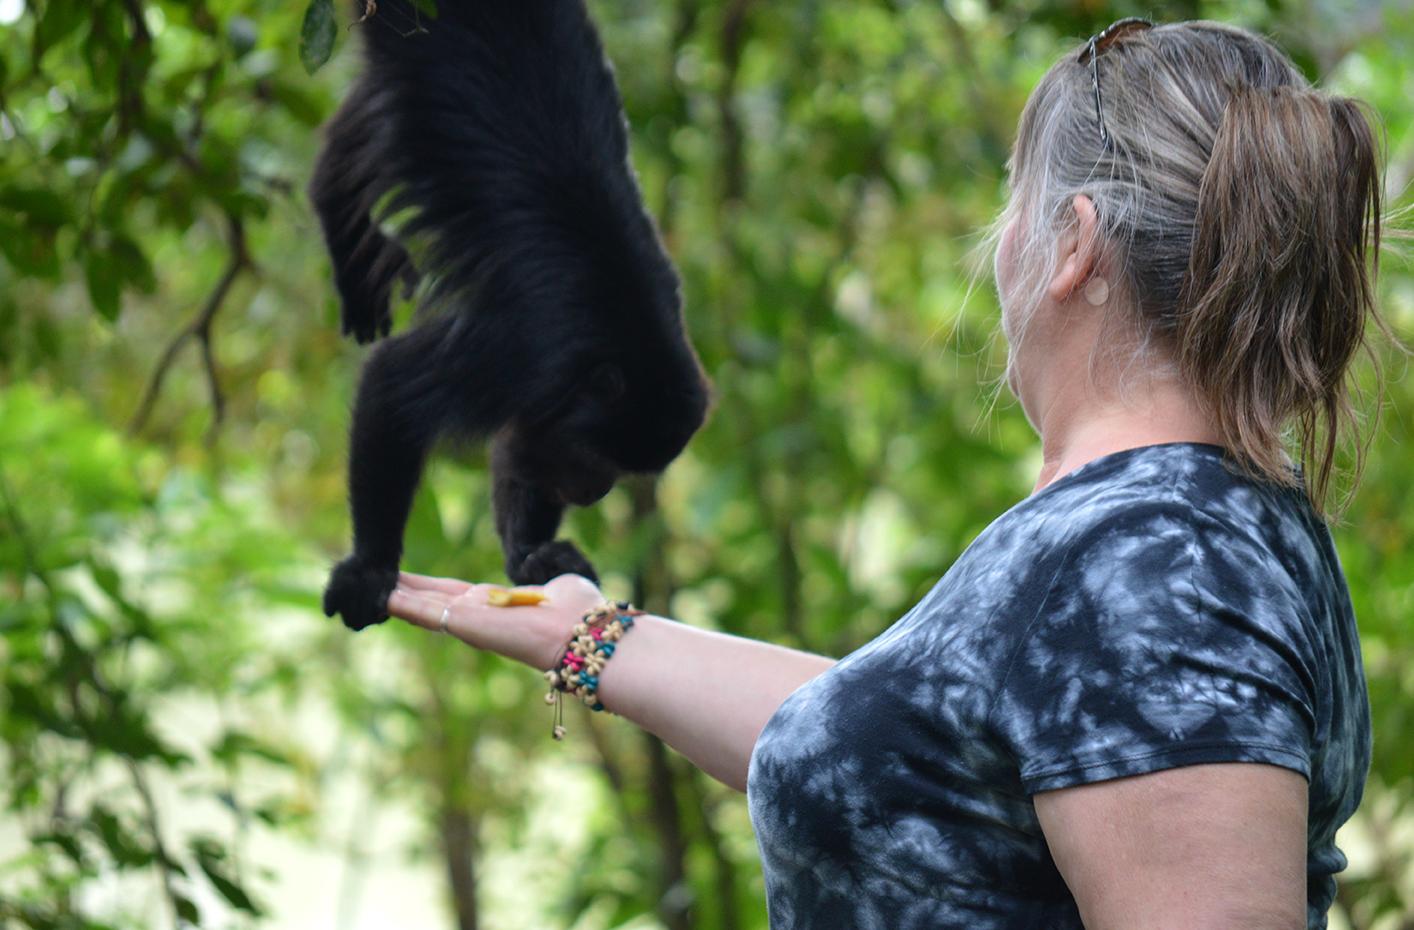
(492, 137)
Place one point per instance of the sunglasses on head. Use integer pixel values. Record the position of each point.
(1097, 44)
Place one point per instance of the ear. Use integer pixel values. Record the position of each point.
(1077, 260)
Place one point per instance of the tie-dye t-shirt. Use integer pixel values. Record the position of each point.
(1150, 609)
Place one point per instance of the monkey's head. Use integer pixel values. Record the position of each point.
(618, 415)
(626, 400)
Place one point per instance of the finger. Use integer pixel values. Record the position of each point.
(421, 608)
(449, 586)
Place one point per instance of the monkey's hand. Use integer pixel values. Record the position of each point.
(550, 560)
(358, 591)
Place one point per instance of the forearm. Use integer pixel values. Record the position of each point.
(706, 694)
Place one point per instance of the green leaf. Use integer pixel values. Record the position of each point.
(38, 705)
(104, 284)
(126, 731)
(108, 579)
(235, 743)
(298, 100)
(427, 6)
(125, 849)
(10, 243)
(133, 264)
(35, 253)
(108, 51)
(187, 910)
(316, 41)
(42, 206)
(211, 857)
(59, 20)
(64, 840)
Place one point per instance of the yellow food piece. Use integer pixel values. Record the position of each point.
(500, 597)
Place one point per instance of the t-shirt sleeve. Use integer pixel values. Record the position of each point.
(1166, 639)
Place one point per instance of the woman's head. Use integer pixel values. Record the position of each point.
(1234, 209)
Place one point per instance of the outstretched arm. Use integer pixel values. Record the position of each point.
(706, 694)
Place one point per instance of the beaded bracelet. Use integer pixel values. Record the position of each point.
(592, 644)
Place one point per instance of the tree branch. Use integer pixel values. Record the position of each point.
(154, 826)
(130, 79)
(732, 38)
(725, 879)
(675, 904)
(198, 328)
(208, 359)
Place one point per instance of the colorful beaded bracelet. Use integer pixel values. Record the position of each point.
(592, 644)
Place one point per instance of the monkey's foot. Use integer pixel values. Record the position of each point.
(358, 591)
(550, 560)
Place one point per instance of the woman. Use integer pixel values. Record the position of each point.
(1136, 700)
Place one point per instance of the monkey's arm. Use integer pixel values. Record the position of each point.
(526, 520)
(403, 404)
(448, 375)
(349, 179)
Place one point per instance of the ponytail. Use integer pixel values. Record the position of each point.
(1273, 306)
(1240, 209)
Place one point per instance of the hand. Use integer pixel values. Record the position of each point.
(535, 635)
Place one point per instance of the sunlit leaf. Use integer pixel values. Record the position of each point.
(234, 744)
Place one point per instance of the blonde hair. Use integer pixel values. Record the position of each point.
(1239, 209)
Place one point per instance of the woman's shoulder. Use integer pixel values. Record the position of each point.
(1168, 479)
(1181, 509)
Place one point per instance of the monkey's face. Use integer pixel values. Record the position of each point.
(619, 415)
(658, 405)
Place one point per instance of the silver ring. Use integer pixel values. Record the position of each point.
(445, 611)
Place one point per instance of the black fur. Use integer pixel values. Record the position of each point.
(552, 320)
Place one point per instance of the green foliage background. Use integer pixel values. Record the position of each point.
(185, 733)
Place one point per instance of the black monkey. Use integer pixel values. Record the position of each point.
(551, 321)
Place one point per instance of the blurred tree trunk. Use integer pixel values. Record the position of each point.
(652, 591)
(457, 832)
